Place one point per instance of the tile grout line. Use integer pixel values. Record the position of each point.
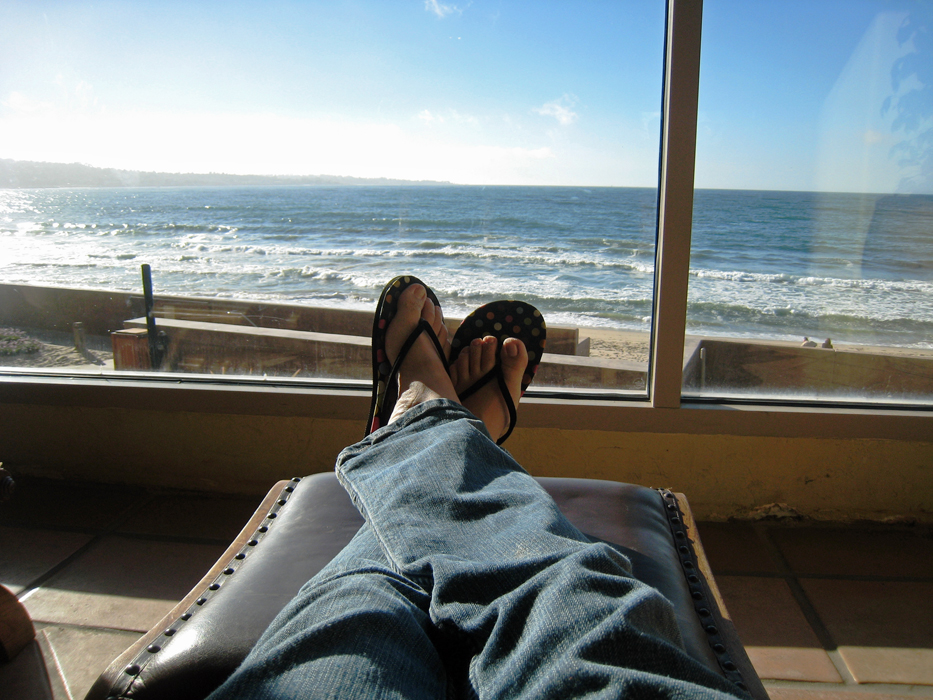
(37, 583)
(34, 585)
(61, 689)
(78, 627)
(47, 650)
(873, 690)
(806, 607)
(825, 577)
(129, 534)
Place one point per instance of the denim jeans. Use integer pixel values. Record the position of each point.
(467, 581)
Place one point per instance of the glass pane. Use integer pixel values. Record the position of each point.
(495, 151)
(812, 256)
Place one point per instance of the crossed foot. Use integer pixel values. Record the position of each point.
(422, 376)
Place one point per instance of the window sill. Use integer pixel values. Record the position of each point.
(349, 400)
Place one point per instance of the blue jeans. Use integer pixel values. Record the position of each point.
(467, 581)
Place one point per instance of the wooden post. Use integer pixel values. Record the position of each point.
(80, 337)
(131, 349)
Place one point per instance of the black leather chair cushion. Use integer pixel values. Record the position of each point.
(302, 524)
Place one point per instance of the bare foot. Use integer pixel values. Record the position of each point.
(473, 363)
(421, 376)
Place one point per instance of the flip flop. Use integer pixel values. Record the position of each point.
(385, 374)
(503, 319)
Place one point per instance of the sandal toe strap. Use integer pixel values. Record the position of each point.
(497, 373)
(422, 327)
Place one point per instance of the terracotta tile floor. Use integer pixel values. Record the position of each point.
(826, 612)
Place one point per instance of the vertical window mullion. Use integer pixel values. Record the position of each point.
(678, 155)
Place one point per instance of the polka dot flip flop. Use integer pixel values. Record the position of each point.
(503, 319)
(385, 373)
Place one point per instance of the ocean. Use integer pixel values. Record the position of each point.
(771, 265)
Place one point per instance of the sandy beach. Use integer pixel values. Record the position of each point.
(633, 346)
(57, 350)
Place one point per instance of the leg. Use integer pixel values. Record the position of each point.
(541, 611)
(357, 629)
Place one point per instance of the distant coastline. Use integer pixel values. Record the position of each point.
(24, 174)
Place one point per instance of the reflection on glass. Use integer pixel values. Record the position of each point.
(812, 260)
(549, 119)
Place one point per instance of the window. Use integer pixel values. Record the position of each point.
(812, 254)
(810, 218)
(494, 151)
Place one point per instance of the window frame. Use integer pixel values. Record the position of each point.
(342, 399)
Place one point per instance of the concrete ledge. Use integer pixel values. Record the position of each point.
(748, 367)
(220, 348)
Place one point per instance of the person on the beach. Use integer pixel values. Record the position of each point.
(465, 580)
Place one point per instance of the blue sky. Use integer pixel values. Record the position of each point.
(537, 93)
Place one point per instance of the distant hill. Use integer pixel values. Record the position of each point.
(19, 174)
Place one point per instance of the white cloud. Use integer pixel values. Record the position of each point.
(561, 109)
(449, 116)
(84, 94)
(440, 9)
(17, 102)
(77, 96)
(458, 118)
(651, 123)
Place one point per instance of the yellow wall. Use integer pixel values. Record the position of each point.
(730, 475)
(840, 472)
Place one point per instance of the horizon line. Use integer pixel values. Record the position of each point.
(422, 182)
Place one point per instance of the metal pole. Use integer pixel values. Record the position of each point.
(155, 358)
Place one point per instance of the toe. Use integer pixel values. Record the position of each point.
(440, 330)
(488, 360)
(514, 362)
(476, 358)
(460, 370)
(412, 300)
(427, 310)
(411, 306)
